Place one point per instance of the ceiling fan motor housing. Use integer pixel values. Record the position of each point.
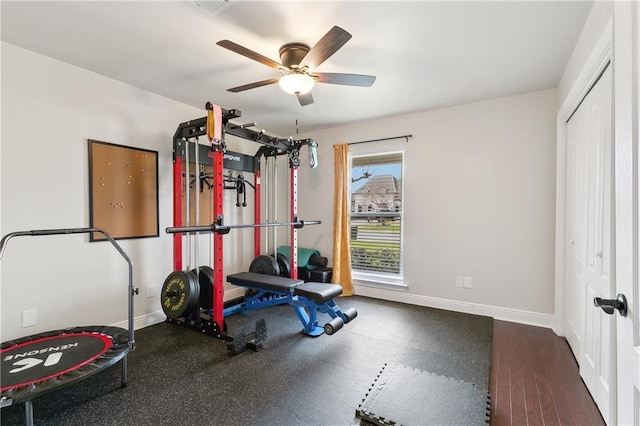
(291, 54)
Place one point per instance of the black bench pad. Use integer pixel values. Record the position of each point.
(318, 292)
(263, 282)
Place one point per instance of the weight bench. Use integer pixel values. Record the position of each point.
(306, 299)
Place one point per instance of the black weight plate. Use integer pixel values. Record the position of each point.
(264, 264)
(205, 278)
(180, 293)
(283, 264)
(195, 298)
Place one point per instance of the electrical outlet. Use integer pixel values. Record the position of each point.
(151, 291)
(29, 318)
(459, 281)
(468, 282)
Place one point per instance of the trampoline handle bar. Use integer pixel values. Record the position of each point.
(214, 227)
(63, 231)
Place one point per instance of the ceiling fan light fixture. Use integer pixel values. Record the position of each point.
(297, 83)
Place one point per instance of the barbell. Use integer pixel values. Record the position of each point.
(224, 229)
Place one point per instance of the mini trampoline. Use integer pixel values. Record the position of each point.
(41, 363)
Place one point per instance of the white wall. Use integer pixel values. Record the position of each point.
(597, 20)
(49, 111)
(479, 201)
(479, 190)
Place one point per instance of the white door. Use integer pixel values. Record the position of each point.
(627, 177)
(575, 235)
(589, 245)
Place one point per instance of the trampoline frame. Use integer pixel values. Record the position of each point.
(27, 397)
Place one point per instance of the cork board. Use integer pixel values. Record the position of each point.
(123, 190)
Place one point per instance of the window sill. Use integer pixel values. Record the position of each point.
(379, 281)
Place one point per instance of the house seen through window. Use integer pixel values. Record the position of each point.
(376, 214)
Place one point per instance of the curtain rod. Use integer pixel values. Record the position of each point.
(383, 139)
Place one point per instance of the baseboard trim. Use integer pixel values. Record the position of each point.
(157, 317)
(143, 321)
(234, 293)
(496, 312)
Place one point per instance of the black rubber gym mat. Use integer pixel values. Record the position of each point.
(181, 377)
(403, 395)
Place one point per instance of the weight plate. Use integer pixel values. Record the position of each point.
(195, 298)
(264, 264)
(180, 293)
(283, 264)
(205, 279)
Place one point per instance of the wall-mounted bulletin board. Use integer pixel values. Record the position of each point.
(123, 190)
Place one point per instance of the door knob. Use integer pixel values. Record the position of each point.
(609, 305)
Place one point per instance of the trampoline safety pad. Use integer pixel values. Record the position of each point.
(402, 395)
(35, 364)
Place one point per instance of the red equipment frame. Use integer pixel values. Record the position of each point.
(215, 122)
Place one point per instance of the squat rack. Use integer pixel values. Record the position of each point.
(215, 126)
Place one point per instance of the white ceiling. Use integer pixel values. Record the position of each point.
(425, 54)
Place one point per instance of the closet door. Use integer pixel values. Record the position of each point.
(575, 241)
(589, 246)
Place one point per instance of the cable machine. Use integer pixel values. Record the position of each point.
(181, 294)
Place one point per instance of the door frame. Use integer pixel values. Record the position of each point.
(600, 56)
(627, 210)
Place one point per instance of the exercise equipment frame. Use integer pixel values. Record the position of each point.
(117, 342)
(214, 126)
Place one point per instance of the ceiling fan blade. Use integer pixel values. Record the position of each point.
(253, 85)
(327, 46)
(345, 79)
(305, 99)
(234, 47)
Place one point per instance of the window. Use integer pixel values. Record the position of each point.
(376, 215)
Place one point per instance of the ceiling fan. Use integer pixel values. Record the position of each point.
(299, 63)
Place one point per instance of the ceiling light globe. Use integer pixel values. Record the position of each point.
(297, 83)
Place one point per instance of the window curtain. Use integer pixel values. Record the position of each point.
(341, 235)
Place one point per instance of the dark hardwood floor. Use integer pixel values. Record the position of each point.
(535, 379)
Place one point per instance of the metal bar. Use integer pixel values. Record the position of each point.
(214, 131)
(214, 227)
(293, 180)
(63, 231)
(28, 413)
(256, 213)
(231, 160)
(196, 251)
(177, 212)
(187, 206)
(125, 374)
(267, 196)
(383, 139)
(197, 127)
(276, 199)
